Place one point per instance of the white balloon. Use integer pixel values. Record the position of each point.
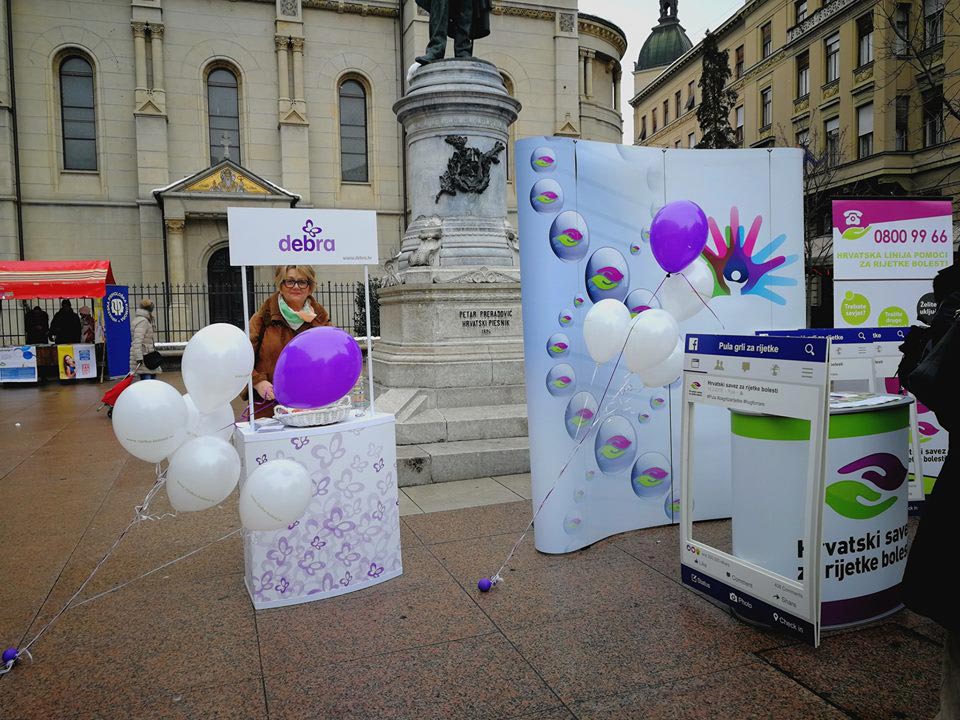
(275, 494)
(683, 297)
(216, 365)
(666, 372)
(202, 473)
(150, 420)
(653, 336)
(218, 423)
(605, 329)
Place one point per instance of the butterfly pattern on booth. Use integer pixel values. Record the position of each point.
(350, 535)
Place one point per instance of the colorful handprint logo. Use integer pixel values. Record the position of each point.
(858, 501)
(736, 259)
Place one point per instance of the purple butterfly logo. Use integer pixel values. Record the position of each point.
(321, 487)
(262, 459)
(281, 552)
(375, 570)
(345, 580)
(378, 466)
(310, 229)
(282, 586)
(378, 515)
(346, 555)
(309, 564)
(336, 525)
(317, 543)
(293, 525)
(300, 442)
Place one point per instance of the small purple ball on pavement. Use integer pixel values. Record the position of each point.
(483, 586)
(11, 654)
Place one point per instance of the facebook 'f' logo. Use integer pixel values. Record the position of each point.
(693, 344)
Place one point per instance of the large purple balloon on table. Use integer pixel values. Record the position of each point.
(317, 368)
(678, 235)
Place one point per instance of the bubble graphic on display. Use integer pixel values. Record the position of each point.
(543, 160)
(546, 196)
(561, 381)
(635, 249)
(651, 475)
(569, 236)
(578, 301)
(640, 300)
(645, 235)
(616, 445)
(643, 418)
(572, 522)
(591, 475)
(579, 494)
(580, 414)
(607, 276)
(657, 402)
(671, 506)
(565, 318)
(558, 345)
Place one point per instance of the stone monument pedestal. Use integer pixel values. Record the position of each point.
(449, 363)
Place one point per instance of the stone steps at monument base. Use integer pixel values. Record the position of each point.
(463, 423)
(462, 460)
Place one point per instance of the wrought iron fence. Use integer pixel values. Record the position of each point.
(181, 310)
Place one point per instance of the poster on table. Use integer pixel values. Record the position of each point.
(585, 211)
(77, 362)
(116, 329)
(18, 364)
(886, 254)
(775, 391)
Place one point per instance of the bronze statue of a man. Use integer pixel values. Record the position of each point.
(463, 20)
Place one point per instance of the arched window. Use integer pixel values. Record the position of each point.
(78, 114)
(512, 139)
(353, 132)
(223, 115)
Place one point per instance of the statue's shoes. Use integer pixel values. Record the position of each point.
(424, 60)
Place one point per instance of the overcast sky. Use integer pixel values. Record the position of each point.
(637, 17)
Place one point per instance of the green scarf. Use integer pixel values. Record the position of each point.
(290, 315)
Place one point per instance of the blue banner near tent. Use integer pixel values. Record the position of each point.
(116, 329)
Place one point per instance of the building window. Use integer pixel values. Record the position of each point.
(653, 118)
(901, 28)
(692, 140)
(78, 114)
(933, 21)
(766, 41)
(738, 70)
(223, 115)
(832, 134)
(643, 128)
(832, 48)
(865, 130)
(903, 122)
(803, 139)
(353, 132)
(691, 95)
(666, 113)
(803, 74)
(865, 39)
(800, 7)
(678, 105)
(933, 117)
(739, 125)
(676, 144)
(766, 107)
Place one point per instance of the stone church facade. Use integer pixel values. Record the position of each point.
(127, 128)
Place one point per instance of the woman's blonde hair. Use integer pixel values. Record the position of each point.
(281, 272)
(147, 304)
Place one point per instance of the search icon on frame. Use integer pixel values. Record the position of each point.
(861, 336)
(808, 349)
(900, 334)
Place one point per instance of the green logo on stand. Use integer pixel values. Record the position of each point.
(855, 308)
(859, 501)
(893, 317)
(855, 233)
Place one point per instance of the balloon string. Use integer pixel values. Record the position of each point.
(695, 292)
(498, 577)
(257, 407)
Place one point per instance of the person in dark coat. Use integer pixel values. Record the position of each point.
(463, 20)
(37, 324)
(924, 587)
(65, 328)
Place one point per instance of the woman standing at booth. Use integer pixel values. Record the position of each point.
(287, 313)
(142, 348)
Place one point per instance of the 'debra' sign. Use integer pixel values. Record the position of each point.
(270, 236)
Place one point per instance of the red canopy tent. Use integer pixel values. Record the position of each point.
(29, 279)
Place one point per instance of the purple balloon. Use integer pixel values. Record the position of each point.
(678, 235)
(484, 585)
(10, 654)
(317, 368)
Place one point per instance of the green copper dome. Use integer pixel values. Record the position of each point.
(667, 42)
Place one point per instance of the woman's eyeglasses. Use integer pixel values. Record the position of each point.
(291, 283)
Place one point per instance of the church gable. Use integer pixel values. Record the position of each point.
(226, 177)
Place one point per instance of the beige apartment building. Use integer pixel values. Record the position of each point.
(861, 83)
(128, 126)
